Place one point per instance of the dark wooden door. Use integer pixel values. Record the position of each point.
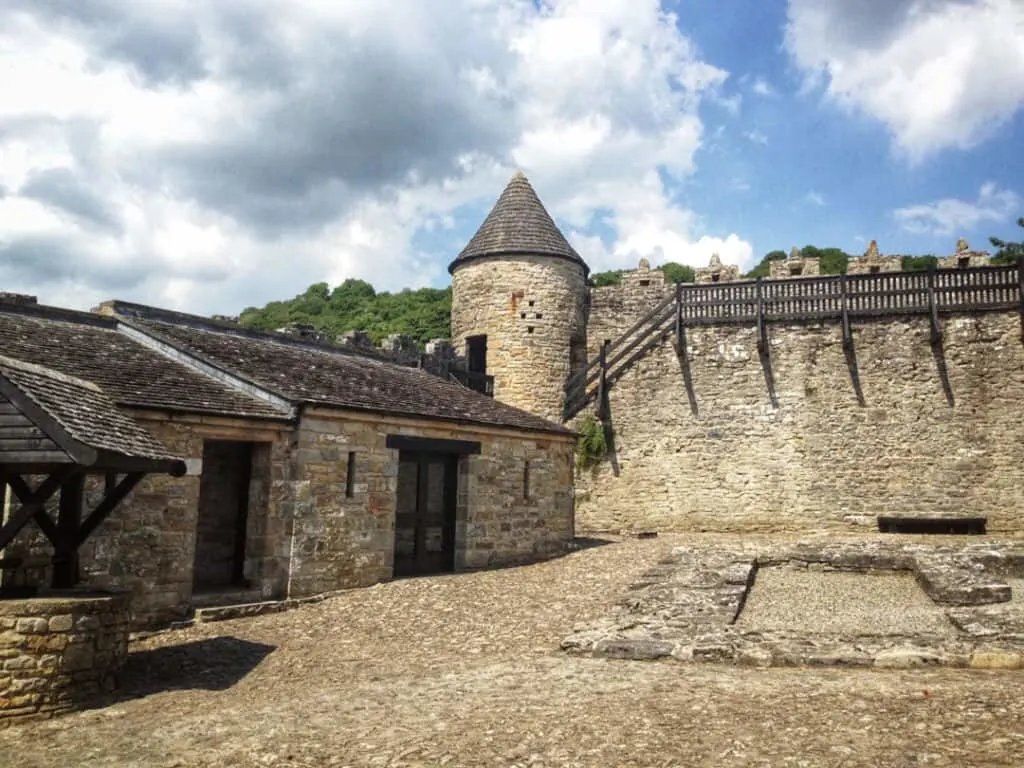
(425, 513)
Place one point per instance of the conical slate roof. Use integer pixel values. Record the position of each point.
(518, 224)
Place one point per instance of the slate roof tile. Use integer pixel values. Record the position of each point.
(308, 372)
(88, 346)
(85, 412)
(518, 224)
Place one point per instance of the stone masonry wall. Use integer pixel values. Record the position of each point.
(819, 460)
(58, 652)
(147, 545)
(531, 309)
(343, 542)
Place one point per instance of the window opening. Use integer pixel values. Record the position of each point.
(350, 475)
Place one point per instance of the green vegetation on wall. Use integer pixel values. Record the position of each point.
(593, 443)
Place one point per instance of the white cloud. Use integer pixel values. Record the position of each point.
(814, 198)
(209, 156)
(762, 87)
(951, 216)
(756, 137)
(938, 73)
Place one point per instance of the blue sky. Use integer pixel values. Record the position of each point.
(208, 157)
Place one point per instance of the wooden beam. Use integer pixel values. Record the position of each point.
(69, 519)
(33, 504)
(432, 444)
(1020, 293)
(933, 310)
(602, 382)
(108, 505)
(41, 518)
(844, 308)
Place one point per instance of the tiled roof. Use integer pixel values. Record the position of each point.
(307, 372)
(87, 346)
(518, 224)
(83, 410)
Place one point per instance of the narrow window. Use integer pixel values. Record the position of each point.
(964, 262)
(875, 269)
(540, 316)
(350, 475)
(715, 277)
(644, 283)
(529, 329)
(476, 354)
(531, 303)
(526, 480)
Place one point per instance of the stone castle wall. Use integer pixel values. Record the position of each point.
(532, 311)
(820, 459)
(348, 541)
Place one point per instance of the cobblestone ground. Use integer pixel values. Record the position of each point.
(465, 670)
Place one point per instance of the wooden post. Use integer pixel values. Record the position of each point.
(680, 343)
(844, 308)
(933, 308)
(69, 518)
(602, 382)
(1020, 292)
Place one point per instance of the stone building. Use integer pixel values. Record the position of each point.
(310, 468)
(795, 265)
(964, 257)
(873, 262)
(716, 272)
(518, 302)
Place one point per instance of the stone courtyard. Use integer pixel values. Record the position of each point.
(878, 602)
(467, 670)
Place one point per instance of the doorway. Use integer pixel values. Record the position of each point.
(425, 513)
(223, 516)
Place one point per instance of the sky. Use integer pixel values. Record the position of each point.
(211, 156)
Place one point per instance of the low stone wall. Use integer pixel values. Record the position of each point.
(59, 651)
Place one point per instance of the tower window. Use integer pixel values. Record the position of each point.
(529, 329)
(540, 316)
(476, 354)
(526, 480)
(530, 303)
(644, 283)
(875, 269)
(964, 262)
(715, 277)
(522, 315)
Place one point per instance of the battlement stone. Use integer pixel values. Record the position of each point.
(873, 261)
(964, 257)
(795, 265)
(716, 272)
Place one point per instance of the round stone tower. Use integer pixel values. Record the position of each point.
(518, 303)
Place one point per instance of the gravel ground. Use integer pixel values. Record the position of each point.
(465, 670)
(866, 603)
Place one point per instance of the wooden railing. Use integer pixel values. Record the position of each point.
(478, 382)
(832, 297)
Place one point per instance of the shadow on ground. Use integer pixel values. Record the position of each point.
(214, 664)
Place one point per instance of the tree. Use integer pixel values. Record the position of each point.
(762, 269)
(677, 273)
(919, 263)
(1008, 252)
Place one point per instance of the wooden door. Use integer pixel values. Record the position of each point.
(425, 513)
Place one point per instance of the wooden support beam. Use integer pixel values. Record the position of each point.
(762, 327)
(844, 308)
(69, 519)
(1020, 293)
(680, 349)
(602, 382)
(933, 309)
(764, 348)
(33, 503)
(41, 518)
(110, 501)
